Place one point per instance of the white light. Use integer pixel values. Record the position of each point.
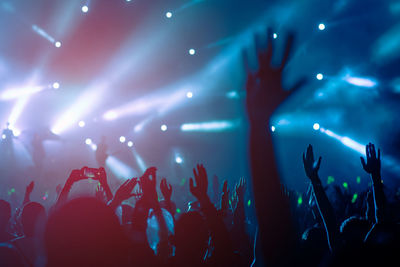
(273, 128)
(316, 126)
(16, 132)
(85, 9)
(110, 115)
(81, 124)
(88, 141)
(56, 85)
(122, 139)
(321, 26)
(168, 14)
(57, 44)
(319, 76)
(209, 126)
(189, 94)
(164, 127)
(3, 136)
(178, 160)
(130, 143)
(359, 81)
(94, 147)
(275, 35)
(192, 51)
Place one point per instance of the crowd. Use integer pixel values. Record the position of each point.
(104, 230)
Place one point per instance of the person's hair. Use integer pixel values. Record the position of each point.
(5, 213)
(31, 214)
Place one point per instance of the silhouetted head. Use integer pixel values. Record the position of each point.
(354, 229)
(32, 214)
(85, 232)
(5, 214)
(191, 236)
(9, 256)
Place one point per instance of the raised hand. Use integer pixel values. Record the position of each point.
(77, 175)
(240, 188)
(124, 192)
(225, 197)
(373, 164)
(30, 187)
(310, 166)
(148, 183)
(200, 189)
(166, 189)
(264, 87)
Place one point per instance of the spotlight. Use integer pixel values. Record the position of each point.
(275, 35)
(88, 141)
(122, 139)
(321, 26)
(168, 14)
(178, 160)
(189, 94)
(57, 44)
(316, 126)
(81, 124)
(164, 127)
(319, 76)
(16, 132)
(110, 115)
(273, 128)
(56, 85)
(130, 143)
(192, 51)
(94, 147)
(3, 136)
(85, 9)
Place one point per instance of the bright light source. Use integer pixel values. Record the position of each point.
(164, 127)
(56, 85)
(16, 132)
(110, 115)
(189, 94)
(57, 44)
(275, 35)
(319, 76)
(362, 82)
(85, 9)
(273, 128)
(211, 126)
(94, 147)
(130, 143)
(168, 14)
(178, 160)
(122, 139)
(192, 51)
(321, 26)
(316, 126)
(88, 141)
(20, 92)
(3, 136)
(81, 124)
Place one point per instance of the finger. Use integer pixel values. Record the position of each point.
(363, 162)
(304, 159)
(373, 152)
(225, 186)
(195, 174)
(319, 163)
(170, 188)
(270, 46)
(366, 151)
(191, 185)
(288, 48)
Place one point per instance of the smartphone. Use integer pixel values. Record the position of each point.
(91, 173)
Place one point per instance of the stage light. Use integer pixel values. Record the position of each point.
(189, 94)
(319, 76)
(57, 44)
(88, 141)
(192, 51)
(122, 139)
(85, 9)
(168, 14)
(178, 160)
(273, 128)
(210, 126)
(56, 85)
(361, 82)
(94, 147)
(321, 26)
(130, 143)
(81, 124)
(20, 92)
(164, 127)
(3, 136)
(16, 132)
(275, 35)
(316, 126)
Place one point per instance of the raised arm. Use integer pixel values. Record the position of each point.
(325, 208)
(28, 192)
(373, 167)
(76, 175)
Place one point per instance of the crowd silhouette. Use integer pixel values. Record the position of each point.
(102, 230)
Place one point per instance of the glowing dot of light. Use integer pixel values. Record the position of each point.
(331, 179)
(273, 128)
(122, 139)
(275, 35)
(94, 147)
(358, 179)
(354, 198)
(178, 160)
(345, 185)
(319, 76)
(321, 26)
(299, 200)
(164, 127)
(81, 124)
(56, 85)
(168, 14)
(316, 126)
(85, 9)
(57, 44)
(130, 144)
(189, 94)
(178, 210)
(88, 141)
(192, 51)
(248, 203)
